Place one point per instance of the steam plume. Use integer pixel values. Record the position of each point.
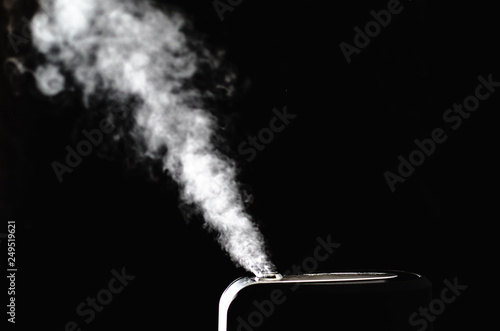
(122, 49)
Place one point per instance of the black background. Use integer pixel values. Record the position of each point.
(321, 176)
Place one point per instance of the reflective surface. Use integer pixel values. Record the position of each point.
(322, 287)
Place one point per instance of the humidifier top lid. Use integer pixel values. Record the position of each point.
(312, 279)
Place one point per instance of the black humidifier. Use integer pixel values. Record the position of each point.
(339, 301)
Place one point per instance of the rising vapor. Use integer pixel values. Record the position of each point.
(119, 50)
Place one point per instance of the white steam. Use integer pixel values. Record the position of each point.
(133, 49)
(49, 80)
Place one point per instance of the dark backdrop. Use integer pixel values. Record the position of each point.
(321, 176)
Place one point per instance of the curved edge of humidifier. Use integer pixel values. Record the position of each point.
(239, 284)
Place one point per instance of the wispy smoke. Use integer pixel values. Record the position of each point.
(118, 50)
